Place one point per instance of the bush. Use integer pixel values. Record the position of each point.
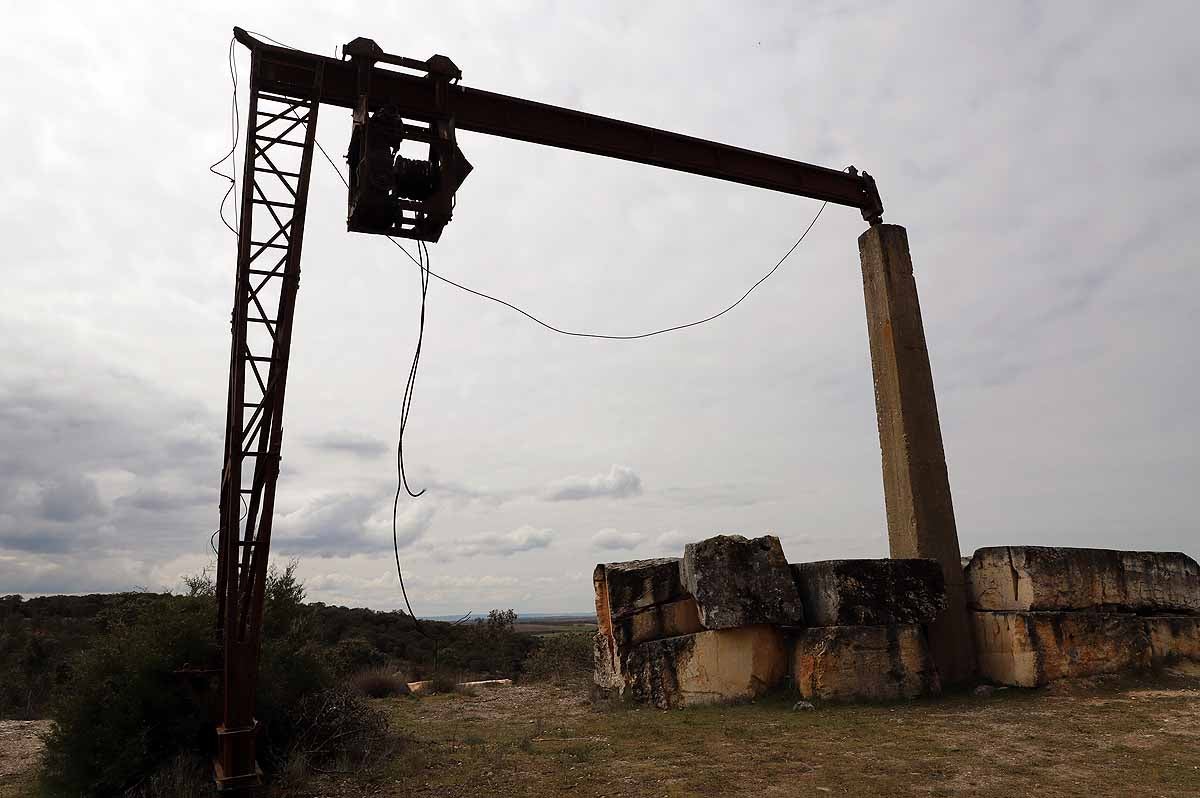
(443, 683)
(566, 655)
(353, 654)
(337, 725)
(379, 683)
(125, 713)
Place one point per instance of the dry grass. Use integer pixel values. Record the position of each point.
(1100, 739)
(380, 682)
(1133, 737)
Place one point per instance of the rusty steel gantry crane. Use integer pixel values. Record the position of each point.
(394, 195)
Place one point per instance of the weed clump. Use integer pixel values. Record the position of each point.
(379, 683)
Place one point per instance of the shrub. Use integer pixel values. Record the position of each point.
(379, 683)
(337, 725)
(124, 713)
(353, 654)
(443, 682)
(566, 655)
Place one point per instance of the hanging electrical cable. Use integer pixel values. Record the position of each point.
(231, 155)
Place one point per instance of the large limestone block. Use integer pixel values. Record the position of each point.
(1012, 578)
(624, 588)
(864, 663)
(1030, 649)
(606, 664)
(739, 582)
(653, 623)
(870, 592)
(1173, 637)
(710, 667)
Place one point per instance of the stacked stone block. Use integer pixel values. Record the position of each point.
(732, 619)
(866, 637)
(1045, 613)
(697, 630)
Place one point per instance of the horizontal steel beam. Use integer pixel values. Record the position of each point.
(289, 71)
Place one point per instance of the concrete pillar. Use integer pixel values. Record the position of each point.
(916, 487)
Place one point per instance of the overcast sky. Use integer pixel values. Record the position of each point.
(1043, 157)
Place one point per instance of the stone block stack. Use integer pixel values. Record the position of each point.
(865, 636)
(732, 619)
(697, 630)
(1041, 613)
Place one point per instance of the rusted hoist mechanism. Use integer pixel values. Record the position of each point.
(390, 193)
(405, 168)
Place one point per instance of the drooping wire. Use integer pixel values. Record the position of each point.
(231, 155)
(212, 539)
(406, 405)
(574, 333)
(426, 273)
(405, 409)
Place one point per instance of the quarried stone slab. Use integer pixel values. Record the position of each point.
(739, 582)
(623, 588)
(1031, 649)
(658, 621)
(606, 664)
(1037, 578)
(1173, 637)
(711, 667)
(870, 592)
(864, 663)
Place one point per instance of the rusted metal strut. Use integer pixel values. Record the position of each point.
(287, 87)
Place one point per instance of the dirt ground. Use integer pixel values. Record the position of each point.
(20, 745)
(1092, 739)
(1125, 737)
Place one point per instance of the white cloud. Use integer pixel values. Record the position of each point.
(341, 524)
(620, 482)
(521, 539)
(671, 543)
(614, 539)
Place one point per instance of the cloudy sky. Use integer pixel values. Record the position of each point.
(1043, 157)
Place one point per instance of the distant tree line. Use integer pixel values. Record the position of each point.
(42, 638)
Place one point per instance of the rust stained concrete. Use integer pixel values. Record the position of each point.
(916, 486)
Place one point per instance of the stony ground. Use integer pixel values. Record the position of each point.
(1135, 737)
(1093, 739)
(20, 745)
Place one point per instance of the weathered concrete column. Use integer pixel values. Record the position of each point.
(916, 487)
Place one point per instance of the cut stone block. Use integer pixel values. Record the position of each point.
(656, 622)
(1173, 637)
(606, 664)
(740, 582)
(623, 588)
(1031, 649)
(712, 667)
(870, 592)
(864, 663)
(1036, 578)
